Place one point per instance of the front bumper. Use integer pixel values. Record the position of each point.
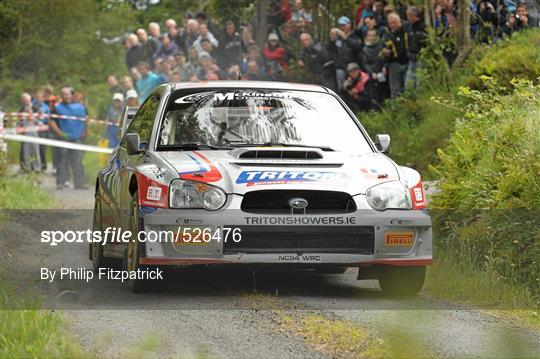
(418, 252)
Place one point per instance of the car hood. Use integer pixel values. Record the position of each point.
(247, 169)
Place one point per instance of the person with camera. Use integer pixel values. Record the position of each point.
(344, 47)
(522, 17)
(396, 53)
(354, 88)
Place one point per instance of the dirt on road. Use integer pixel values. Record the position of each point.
(222, 313)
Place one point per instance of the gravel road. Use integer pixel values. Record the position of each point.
(211, 313)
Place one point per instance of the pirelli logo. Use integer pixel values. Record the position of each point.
(399, 239)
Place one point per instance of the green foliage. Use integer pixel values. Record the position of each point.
(236, 10)
(517, 57)
(489, 185)
(420, 126)
(462, 281)
(167, 9)
(32, 333)
(493, 158)
(23, 192)
(57, 42)
(59, 39)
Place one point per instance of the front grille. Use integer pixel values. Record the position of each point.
(302, 239)
(277, 201)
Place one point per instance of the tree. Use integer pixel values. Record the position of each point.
(464, 43)
(262, 22)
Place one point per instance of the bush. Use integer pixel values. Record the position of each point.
(419, 126)
(489, 199)
(515, 57)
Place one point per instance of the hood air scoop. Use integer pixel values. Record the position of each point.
(286, 154)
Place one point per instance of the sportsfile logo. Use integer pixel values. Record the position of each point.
(254, 178)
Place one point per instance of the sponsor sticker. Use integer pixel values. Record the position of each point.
(301, 220)
(399, 239)
(401, 221)
(418, 194)
(253, 178)
(189, 221)
(153, 193)
(418, 197)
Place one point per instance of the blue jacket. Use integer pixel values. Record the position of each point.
(44, 109)
(146, 84)
(74, 129)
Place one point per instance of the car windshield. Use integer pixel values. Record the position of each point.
(238, 118)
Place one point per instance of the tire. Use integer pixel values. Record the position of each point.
(135, 250)
(96, 249)
(401, 281)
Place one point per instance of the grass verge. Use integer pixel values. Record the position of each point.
(465, 284)
(335, 337)
(340, 338)
(23, 192)
(29, 333)
(32, 333)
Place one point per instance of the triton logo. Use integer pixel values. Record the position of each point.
(298, 203)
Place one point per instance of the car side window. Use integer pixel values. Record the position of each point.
(144, 119)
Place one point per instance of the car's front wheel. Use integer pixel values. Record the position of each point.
(135, 250)
(96, 249)
(401, 281)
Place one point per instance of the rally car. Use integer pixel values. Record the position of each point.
(261, 173)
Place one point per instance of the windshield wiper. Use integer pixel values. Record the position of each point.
(189, 146)
(280, 144)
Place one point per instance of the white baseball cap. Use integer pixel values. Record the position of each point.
(118, 96)
(131, 94)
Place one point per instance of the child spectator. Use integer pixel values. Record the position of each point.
(113, 119)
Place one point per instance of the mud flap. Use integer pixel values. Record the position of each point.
(367, 272)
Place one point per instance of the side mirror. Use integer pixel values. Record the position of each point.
(133, 144)
(382, 142)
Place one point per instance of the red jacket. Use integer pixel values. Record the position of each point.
(278, 55)
(360, 85)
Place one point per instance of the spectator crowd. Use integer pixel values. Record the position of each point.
(371, 54)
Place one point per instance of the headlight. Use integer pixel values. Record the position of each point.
(390, 195)
(190, 194)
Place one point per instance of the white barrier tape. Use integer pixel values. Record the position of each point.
(57, 143)
(37, 115)
(19, 130)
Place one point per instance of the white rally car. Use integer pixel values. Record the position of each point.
(261, 173)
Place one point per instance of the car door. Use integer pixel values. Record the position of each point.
(141, 124)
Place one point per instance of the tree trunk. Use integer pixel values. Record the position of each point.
(427, 13)
(464, 33)
(262, 17)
